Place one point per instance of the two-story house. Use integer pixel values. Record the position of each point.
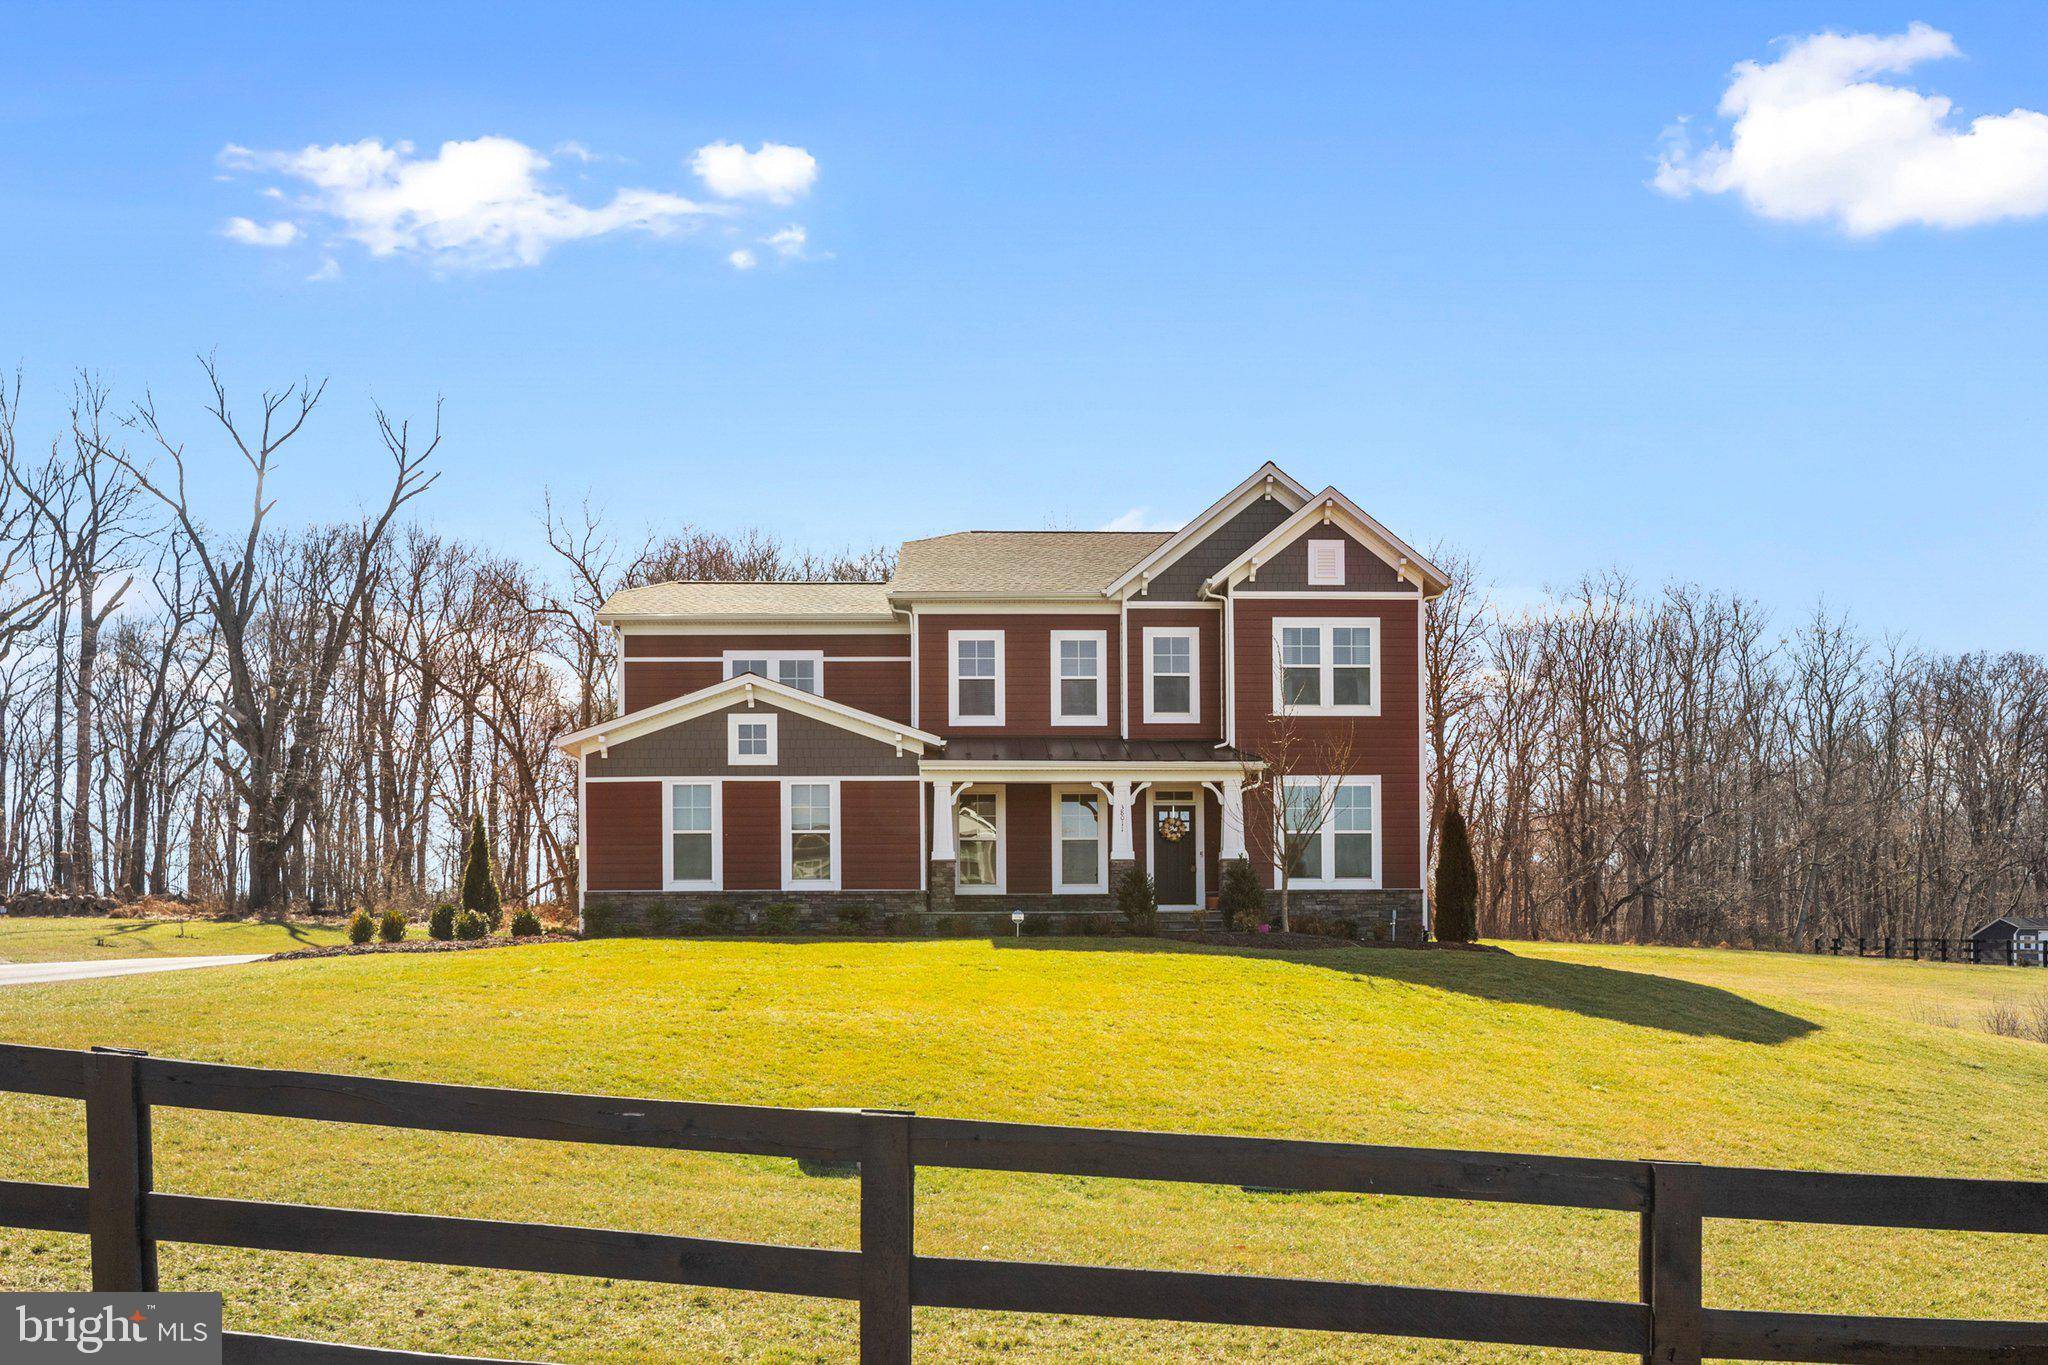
(1015, 716)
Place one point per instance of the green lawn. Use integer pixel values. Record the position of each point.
(85, 939)
(1710, 1056)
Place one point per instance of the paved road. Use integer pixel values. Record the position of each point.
(30, 973)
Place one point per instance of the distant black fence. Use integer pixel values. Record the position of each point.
(125, 1217)
(1998, 953)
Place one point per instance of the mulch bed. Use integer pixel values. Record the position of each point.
(1292, 942)
(417, 945)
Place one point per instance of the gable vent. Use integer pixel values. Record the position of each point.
(1326, 563)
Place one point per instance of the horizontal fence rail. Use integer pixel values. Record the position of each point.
(125, 1217)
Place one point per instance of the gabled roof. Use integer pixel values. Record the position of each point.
(1018, 563)
(1268, 478)
(2027, 923)
(1333, 507)
(734, 691)
(750, 602)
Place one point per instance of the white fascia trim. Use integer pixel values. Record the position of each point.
(733, 721)
(754, 625)
(1083, 773)
(1193, 635)
(1326, 654)
(1103, 816)
(1267, 478)
(1313, 595)
(1326, 836)
(837, 834)
(668, 833)
(1008, 604)
(1100, 716)
(954, 639)
(1333, 507)
(748, 689)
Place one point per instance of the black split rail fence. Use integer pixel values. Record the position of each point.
(125, 1217)
(2000, 953)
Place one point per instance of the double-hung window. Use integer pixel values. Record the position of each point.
(1327, 666)
(1172, 693)
(975, 669)
(1080, 855)
(693, 852)
(750, 739)
(978, 826)
(800, 669)
(810, 836)
(1330, 831)
(1079, 695)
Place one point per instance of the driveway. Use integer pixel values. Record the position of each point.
(35, 973)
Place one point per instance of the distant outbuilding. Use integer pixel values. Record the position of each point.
(2027, 936)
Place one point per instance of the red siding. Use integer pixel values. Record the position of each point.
(859, 669)
(883, 836)
(713, 646)
(1027, 812)
(623, 823)
(1388, 744)
(1208, 672)
(649, 684)
(753, 835)
(1027, 671)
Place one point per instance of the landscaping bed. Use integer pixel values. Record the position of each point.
(417, 945)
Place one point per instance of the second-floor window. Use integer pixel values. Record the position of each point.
(1078, 692)
(977, 676)
(1170, 689)
(799, 669)
(1326, 666)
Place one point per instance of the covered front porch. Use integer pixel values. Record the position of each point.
(1049, 826)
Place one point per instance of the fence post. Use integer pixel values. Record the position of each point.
(888, 1212)
(117, 1173)
(1672, 1263)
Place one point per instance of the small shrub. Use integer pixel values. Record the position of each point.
(471, 926)
(661, 917)
(361, 928)
(855, 917)
(441, 923)
(783, 917)
(1344, 928)
(899, 924)
(1040, 926)
(721, 917)
(1136, 902)
(1241, 900)
(392, 927)
(526, 924)
(955, 926)
(598, 920)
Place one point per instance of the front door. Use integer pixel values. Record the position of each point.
(1174, 852)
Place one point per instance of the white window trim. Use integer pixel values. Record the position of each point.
(1326, 836)
(668, 834)
(1193, 635)
(1002, 840)
(776, 656)
(838, 832)
(1060, 887)
(1316, 580)
(734, 757)
(954, 638)
(1100, 716)
(1328, 656)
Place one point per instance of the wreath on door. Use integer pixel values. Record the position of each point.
(1172, 827)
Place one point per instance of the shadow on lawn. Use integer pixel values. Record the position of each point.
(1639, 998)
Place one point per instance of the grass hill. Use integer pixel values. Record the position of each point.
(1697, 1055)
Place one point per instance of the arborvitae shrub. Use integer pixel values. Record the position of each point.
(479, 887)
(391, 928)
(1136, 901)
(1457, 879)
(471, 926)
(361, 928)
(526, 924)
(1241, 900)
(783, 917)
(441, 922)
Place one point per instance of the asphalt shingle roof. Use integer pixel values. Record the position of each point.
(1027, 563)
(797, 601)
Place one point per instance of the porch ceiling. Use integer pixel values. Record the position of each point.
(1084, 749)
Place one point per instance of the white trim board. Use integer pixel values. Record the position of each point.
(1269, 480)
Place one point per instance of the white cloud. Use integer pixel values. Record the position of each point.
(249, 232)
(775, 172)
(790, 241)
(742, 259)
(328, 269)
(478, 204)
(1815, 137)
(1142, 519)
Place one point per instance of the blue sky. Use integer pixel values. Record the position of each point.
(1061, 267)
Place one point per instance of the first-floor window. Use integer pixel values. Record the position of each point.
(1080, 842)
(810, 832)
(692, 834)
(978, 822)
(1330, 830)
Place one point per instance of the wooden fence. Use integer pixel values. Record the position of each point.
(125, 1217)
(2005, 953)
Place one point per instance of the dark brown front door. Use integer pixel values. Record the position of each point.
(1173, 851)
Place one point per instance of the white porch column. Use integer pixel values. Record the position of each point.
(1231, 798)
(1123, 794)
(943, 793)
